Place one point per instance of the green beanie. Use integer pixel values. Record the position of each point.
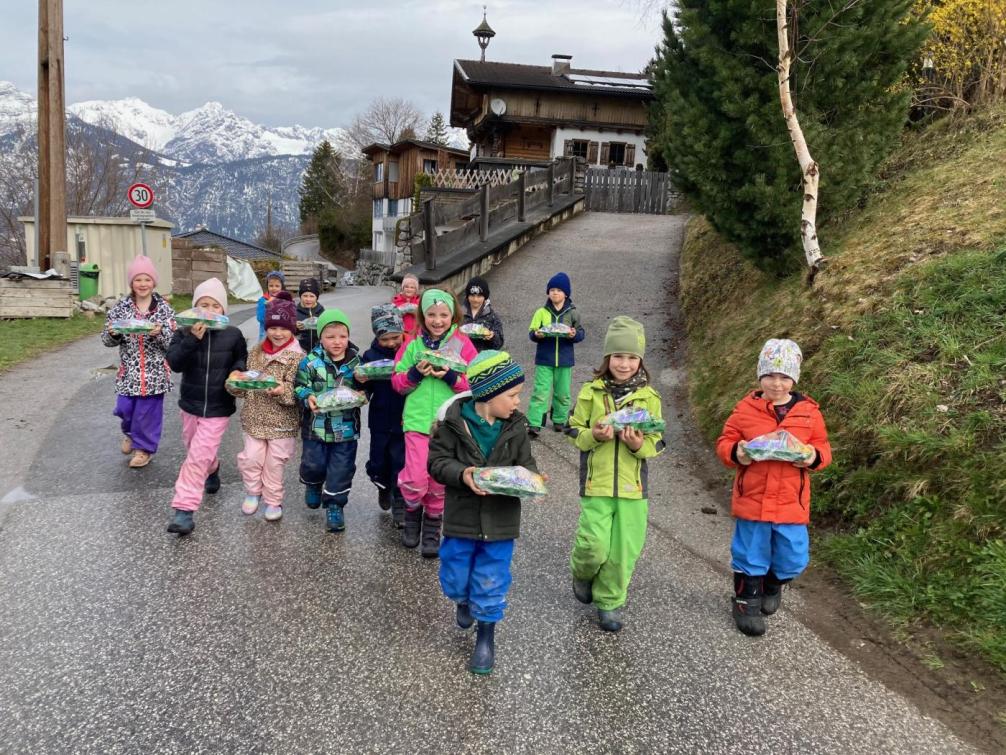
(331, 316)
(625, 336)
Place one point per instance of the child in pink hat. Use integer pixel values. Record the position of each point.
(143, 377)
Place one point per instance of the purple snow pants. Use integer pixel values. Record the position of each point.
(142, 418)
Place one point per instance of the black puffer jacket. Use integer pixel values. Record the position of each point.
(308, 338)
(486, 316)
(205, 365)
(452, 450)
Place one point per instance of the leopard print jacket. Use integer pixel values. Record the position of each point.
(143, 364)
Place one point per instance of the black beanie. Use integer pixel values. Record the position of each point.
(477, 285)
(309, 284)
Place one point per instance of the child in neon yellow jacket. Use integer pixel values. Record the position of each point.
(613, 473)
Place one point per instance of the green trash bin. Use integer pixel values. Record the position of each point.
(88, 280)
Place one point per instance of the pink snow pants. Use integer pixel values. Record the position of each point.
(261, 465)
(418, 488)
(202, 436)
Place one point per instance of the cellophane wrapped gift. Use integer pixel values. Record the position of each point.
(779, 445)
(340, 399)
(211, 320)
(476, 330)
(407, 308)
(133, 326)
(637, 419)
(446, 357)
(516, 481)
(252, 380)
(379, 369)
(310, 323)
(558, 330)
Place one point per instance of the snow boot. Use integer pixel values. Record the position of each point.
(413, 522)
(463, 616)
(583, 590)
(334, 519)
(431, 536)
(747, 604)
(212, 484)
(397, 508)
(312, 496)
(384, 498)
(182, 523)
(772, 597)
(610, 621)
(484, 654)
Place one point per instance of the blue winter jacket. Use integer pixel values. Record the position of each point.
(386, 404)
(552, 351)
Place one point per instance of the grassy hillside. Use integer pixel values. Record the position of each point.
(904, 337)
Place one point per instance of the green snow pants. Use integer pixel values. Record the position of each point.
(554, 382)
(609, 539)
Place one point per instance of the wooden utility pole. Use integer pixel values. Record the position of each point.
(51, 220)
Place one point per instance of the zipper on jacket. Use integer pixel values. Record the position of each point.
(206, 387)
(803, 479)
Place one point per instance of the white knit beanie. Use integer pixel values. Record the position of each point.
(780, 355)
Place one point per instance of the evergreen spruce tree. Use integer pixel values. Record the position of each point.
(717, 119)
(436, 130)
(323, 186)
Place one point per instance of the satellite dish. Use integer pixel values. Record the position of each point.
(498, 106)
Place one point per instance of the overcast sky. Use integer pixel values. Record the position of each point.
(307, 61)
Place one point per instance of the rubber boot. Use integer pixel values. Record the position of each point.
(747, 602)
(182, 523)
(463, 616)
(431, 536)
(484, 654)
(397, 509)
(609, 621)
(772, 586)
(583, 590)
(412, 524)
(212, 484)
(384, 498)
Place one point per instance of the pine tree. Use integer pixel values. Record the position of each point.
(436, 130)
(717, 120)
(323, 186)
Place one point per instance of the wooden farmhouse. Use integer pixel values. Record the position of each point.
(395, 167)
(535, 113)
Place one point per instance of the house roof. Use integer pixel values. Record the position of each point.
(402, 145)
(234, 247)
(577, 80)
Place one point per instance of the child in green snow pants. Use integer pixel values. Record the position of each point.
(554, 382)
(553, 358)
(609, 539)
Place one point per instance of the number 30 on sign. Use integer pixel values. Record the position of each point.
(140, 195)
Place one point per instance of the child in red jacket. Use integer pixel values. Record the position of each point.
(771, 499)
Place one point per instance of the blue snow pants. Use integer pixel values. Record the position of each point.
(477, 573)
(758, 547)
(331, 467)
(387, 458)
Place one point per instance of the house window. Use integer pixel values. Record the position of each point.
(378, 172)
(392, 208)
(616, 153)
(460, 165)
(392, 171)
(578, 148)
(378, 208)
(429, 166)
(378, 240)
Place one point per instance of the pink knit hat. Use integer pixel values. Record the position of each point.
(213, 288)
(141, 266)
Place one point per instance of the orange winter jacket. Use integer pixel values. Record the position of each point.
(773, 491)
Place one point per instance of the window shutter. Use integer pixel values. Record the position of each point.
(567, 148)
(592, 153)
(605, 153)
(630, 154)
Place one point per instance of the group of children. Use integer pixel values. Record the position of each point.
(431, 427)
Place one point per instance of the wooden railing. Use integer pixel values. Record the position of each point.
(469, 179)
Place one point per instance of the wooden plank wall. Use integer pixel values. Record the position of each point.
(35, 298)
(627, 191)
(191, 265)
(295, 271)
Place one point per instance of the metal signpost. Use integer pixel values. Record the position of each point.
(141, 197)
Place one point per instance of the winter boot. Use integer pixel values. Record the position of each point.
(772, 586)
(397, 509)
(212, 484)
(334, 519)
(312, 496)
(558, 427)
(583, 589)
(533, 431)
(610, 621)
(413, 522)
(384, 498)
(747, 603)
(464, 616)
(484, 654)
(182, 523)
(431, 536)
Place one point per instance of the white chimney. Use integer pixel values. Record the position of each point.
(561, 64)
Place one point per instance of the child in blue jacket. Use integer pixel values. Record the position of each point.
(274, 283)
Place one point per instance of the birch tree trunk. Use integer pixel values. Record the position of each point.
(809, 168)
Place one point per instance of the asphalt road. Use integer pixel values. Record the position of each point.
(256, 637)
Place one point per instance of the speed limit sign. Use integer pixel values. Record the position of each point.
(140, 195)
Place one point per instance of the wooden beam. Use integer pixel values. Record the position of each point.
(51, 131)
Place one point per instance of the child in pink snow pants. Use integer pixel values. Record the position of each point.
(426, 387)
(205, 358)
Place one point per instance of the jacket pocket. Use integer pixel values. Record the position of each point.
(740, 479)
(803, 483)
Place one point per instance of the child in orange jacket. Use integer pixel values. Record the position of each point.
(771, 499)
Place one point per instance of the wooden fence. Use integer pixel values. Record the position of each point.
(294, 271)
(191, 265)
(30, 297)
(628, 191)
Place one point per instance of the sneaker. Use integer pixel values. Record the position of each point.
(463, 616)
(610, 621)
(312, 497)
(334, 519)
(212, 484)
(584, 591)
(273, 513)
(384, 498)
(250, 505)
(182, 523)
(140, 459)
(127, 445)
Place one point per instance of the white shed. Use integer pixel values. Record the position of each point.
(111, 243)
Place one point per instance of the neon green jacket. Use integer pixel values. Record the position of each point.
(425, 395)
(609, 468)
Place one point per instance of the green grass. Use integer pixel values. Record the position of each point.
(24, 339)
(904, 337)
